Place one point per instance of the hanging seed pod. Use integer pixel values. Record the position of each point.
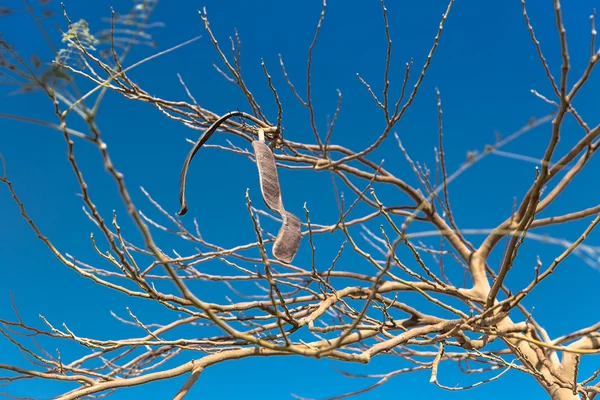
(199, 143)
(288, 239)
(267, 173)
(289, 236)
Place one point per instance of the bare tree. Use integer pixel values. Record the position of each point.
(320, 309)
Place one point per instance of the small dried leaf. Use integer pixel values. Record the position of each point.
(35, 61)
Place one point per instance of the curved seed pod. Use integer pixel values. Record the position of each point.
(288, 239)
(289, 236)
(203, 139)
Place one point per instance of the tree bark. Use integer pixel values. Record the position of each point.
(563, 394)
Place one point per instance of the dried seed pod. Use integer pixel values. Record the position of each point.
(269, 179)
(203, 139)
(288, 239)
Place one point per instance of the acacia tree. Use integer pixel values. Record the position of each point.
(327, 310)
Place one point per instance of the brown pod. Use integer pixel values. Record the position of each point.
(267, 173)
(188, 160)
(288, 239)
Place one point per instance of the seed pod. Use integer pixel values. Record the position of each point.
(203, 139)
(269, 179)
(288, 239)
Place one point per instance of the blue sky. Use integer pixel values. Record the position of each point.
(485, 67)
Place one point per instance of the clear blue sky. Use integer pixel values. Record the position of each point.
(485, 67)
